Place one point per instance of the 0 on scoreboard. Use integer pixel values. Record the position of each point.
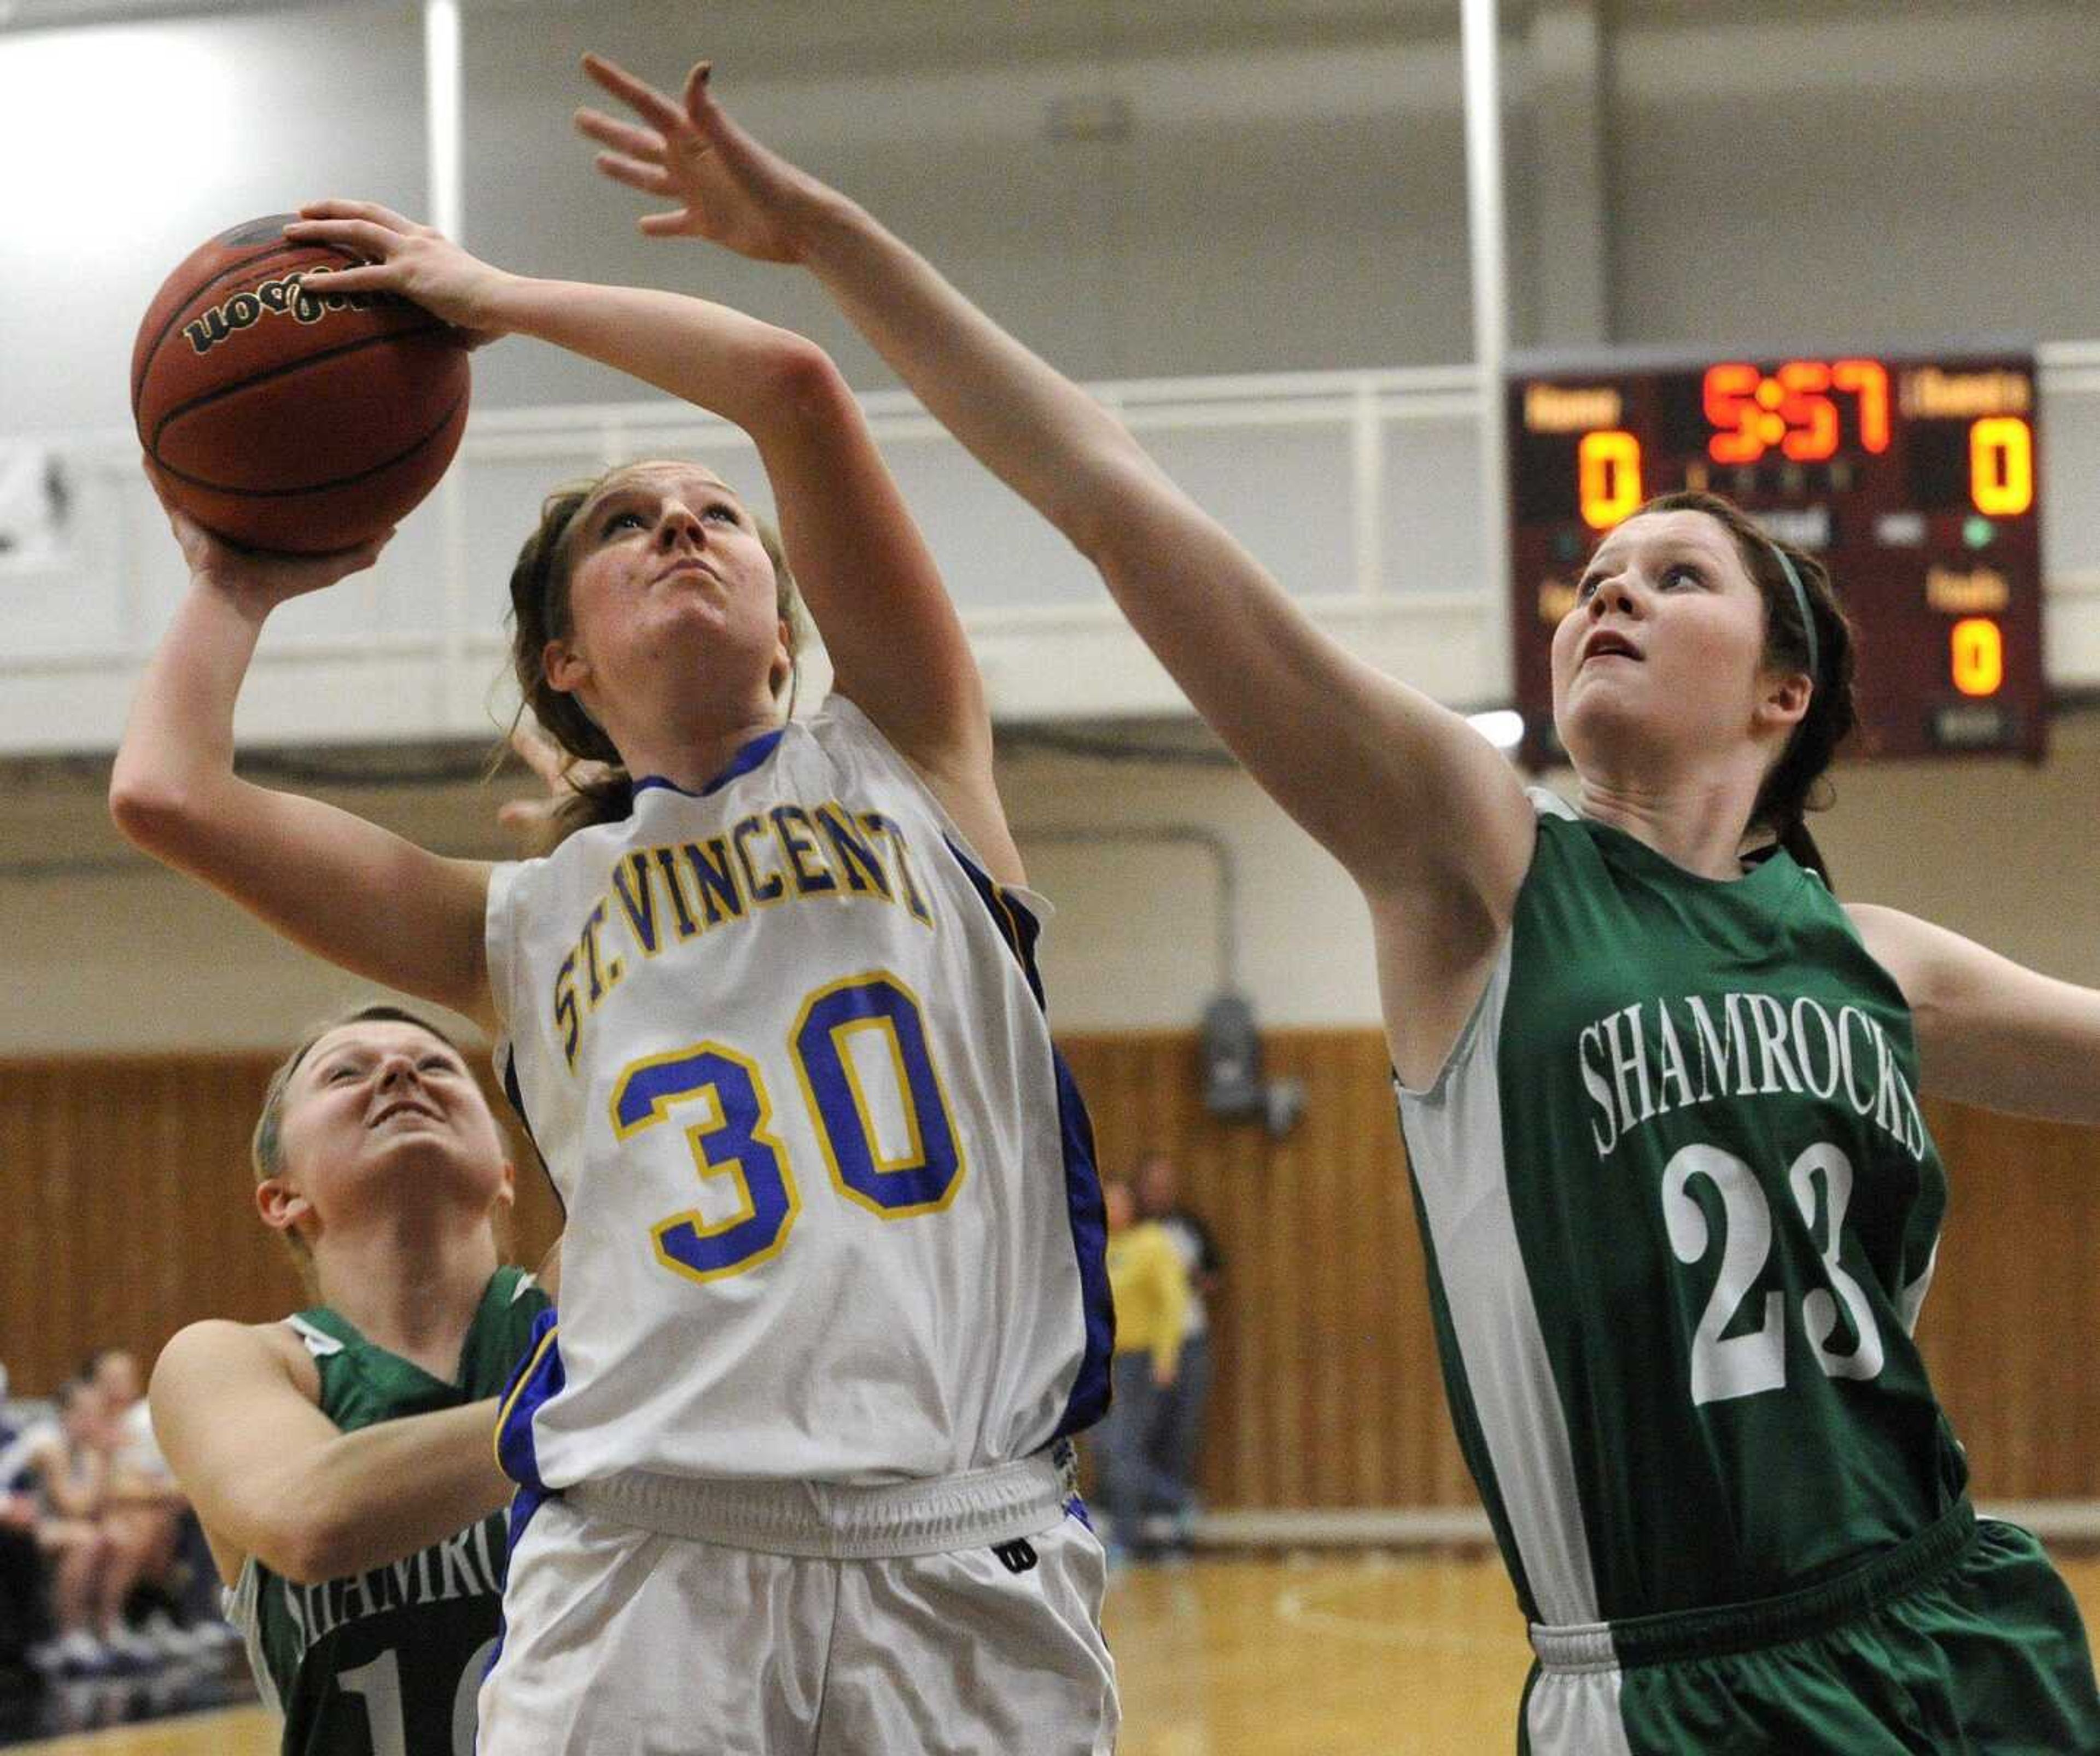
(1912, 477)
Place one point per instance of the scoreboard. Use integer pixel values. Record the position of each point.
(1912, 479)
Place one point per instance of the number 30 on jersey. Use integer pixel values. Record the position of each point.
(721, 1097)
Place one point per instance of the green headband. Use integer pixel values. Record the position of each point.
(1807, 620)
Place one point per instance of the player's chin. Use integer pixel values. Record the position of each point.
(1605, 714)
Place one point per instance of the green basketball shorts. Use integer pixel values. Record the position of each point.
(1962, 1642)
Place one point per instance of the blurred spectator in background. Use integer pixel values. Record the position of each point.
(114, 1371)
(152, 1515)
(71, 1461)
(25, 1625)
(1177, 1441)
(1151, 1291)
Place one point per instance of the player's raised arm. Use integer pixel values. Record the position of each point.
(1402, 792)
(346, 889)
(272, 1477)
(1990, 1031)
(896, 645)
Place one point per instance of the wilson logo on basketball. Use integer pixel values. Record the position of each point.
(288, 296)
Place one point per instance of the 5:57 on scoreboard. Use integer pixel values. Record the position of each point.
(1913, 477)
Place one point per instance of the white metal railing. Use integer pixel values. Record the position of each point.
(1360, 489)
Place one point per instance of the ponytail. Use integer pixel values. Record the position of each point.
(1796, 842)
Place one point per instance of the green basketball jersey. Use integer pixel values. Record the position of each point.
(1680, 1209)
(388, 1663)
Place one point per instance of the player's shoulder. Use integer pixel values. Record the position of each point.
(214, 1349)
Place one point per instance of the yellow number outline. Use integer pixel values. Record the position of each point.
(714, 1124)
(884, 1166)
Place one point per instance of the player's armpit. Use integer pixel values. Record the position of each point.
(1990, 1032)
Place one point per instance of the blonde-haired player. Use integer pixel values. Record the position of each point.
(339, 1459)
(1660, 1087)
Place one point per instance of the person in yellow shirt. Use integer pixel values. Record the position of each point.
(1150, 1286)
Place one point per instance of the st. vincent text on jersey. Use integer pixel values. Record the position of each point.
(1659, 1055)
(657, 897)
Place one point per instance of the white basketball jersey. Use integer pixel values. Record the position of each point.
(831, 1212)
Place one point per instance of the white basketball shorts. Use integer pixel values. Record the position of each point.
(646, 1639)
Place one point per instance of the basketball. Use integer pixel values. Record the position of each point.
(282, 417)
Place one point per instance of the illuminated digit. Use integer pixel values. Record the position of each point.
(1868, 381)
(1608, 477)
(1810, 416)
(1977, 661)
(868, 1024)
(730, 1141)
(2001, 466)
(1729, 395)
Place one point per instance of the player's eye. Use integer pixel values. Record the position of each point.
(723, 510)
(1683, 573)
(337, 1074)
(1588, 588)
(628, 518)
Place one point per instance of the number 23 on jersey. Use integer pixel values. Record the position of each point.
(1724, 1366)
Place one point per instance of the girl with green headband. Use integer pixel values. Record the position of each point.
(1660, 1088)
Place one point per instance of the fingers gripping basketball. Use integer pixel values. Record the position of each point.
(285, 417)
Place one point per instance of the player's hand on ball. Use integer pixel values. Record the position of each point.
(726, 187)
(258, 579)
(413, 261)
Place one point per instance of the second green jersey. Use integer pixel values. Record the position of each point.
(1681, 1207)
(389, 1662)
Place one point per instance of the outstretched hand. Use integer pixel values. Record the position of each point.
(258, 579)
(415, 262)
(726, 187)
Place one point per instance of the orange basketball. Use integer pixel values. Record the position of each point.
(283, 418)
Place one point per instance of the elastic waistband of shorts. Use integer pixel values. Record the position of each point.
(1762, 1621)
(835, 1522)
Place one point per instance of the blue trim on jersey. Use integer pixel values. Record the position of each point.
(1015, 925)
(745, 760)
(538, 1379)
(1089, 1400)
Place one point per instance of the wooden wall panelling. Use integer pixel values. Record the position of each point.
(127, 1188)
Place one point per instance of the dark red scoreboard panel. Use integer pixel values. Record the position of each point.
(1913, 479)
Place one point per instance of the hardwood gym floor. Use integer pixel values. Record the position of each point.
(1419, 1654)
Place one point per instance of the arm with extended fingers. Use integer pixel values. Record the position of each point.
(897, 645)
(1398, 789)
